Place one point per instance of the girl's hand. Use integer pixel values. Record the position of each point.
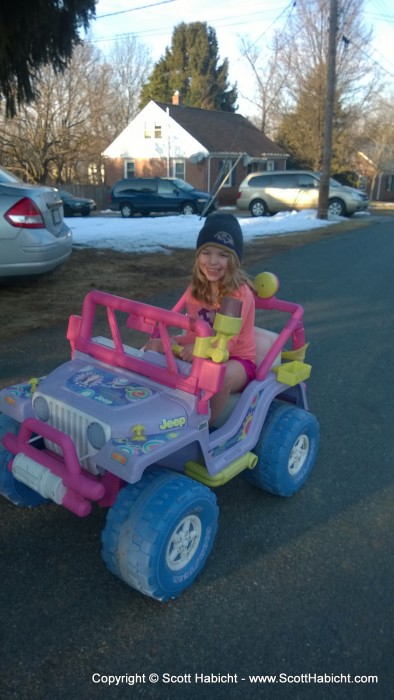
(186, 353)
(154, 344)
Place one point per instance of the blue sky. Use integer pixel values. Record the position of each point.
(152, 21)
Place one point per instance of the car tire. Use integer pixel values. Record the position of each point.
(19, 494)
(336, 207)
(160, 532)
(286, 450)
(67, 211)
(188, 208)
(127, 210)
(258, 208)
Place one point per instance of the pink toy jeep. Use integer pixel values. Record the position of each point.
(128, 429)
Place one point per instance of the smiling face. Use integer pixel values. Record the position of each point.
(213, 262)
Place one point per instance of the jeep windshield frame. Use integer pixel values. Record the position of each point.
(205, 377)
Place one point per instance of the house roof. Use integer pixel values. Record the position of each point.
(380, 157)
(223, 132)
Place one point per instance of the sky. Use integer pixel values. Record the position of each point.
(161, 233)
(153, 21)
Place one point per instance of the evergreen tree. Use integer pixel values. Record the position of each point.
(302, 129)
(35, 33)
(192, 67)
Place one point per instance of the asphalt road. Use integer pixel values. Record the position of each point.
(300, 587)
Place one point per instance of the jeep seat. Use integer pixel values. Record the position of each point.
(264, 341)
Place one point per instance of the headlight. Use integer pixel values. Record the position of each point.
(41, 408)
(96, 435)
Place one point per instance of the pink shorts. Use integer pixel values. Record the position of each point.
(249, 367)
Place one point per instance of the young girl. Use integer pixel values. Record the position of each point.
(217, 274)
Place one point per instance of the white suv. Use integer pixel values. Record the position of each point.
(270, 193)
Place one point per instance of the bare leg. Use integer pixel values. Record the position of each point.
(234, 380)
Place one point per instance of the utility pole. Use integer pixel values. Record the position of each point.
(328, 120)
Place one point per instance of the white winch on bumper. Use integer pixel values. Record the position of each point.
(54, 476)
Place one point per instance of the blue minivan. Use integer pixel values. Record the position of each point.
(143, 195)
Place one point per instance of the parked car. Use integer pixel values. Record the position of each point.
(33, 235)
(143, 195)
(76, 205)
(270, 193)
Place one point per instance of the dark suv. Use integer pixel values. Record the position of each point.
(143, 195)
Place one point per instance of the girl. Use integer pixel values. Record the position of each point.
(217, 274)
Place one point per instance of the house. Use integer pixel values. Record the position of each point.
(203, 147)
(376, 166)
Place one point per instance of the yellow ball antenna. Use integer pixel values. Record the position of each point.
(266, 285)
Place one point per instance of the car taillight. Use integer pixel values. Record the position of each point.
(25, 214)
(238, 195)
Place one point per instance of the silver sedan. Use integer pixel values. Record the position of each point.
(33, 236)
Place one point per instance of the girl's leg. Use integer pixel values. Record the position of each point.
(234, 380)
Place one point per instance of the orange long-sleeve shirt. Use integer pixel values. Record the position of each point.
(242, 345)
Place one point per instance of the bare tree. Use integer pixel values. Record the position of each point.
(270, 84)
(130, 65)
(292, 83)
(54, 137)
(305, 56)
(60, 136)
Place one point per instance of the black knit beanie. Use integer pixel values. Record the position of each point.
(224, 231)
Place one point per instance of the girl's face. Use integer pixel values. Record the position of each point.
(213, 263)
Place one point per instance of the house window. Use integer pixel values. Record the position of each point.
(255, 167)
(130, 168)
(225, 168)
(270, 166)
(154, 129)
(179, 169)
(389, 183)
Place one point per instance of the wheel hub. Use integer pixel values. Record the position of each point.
(298, 454)
(183, 542)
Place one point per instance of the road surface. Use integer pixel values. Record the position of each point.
(298, 589)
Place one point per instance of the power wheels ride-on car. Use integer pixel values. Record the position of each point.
(128, 429)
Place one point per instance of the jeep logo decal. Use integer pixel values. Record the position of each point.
(172, 423)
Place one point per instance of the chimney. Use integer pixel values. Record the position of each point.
(176, 98)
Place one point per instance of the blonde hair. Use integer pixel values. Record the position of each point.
(234, 277)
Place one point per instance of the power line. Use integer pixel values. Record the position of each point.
(382, 14)
(133, 9)
(290, 7)
(160, 31)
(223, 22)
(370, 58)
(382, 7)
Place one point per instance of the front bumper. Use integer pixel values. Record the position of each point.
(72, 487)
